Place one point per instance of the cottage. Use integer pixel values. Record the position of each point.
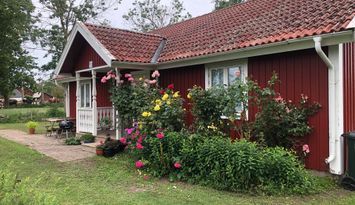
(310, 44)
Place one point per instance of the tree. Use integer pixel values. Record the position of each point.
(16, 65)
(60, 18)
(220, 4)
(147, 15)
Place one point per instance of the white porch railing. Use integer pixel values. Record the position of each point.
(105, 112)
(85, 120)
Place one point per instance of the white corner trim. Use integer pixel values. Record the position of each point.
(79, 27)
(352, 23)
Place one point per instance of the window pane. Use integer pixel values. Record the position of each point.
(217, 77)
(234, 74)
(82, 95)
(88, 95)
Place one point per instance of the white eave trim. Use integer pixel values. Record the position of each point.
(271, 48)
(79, 27)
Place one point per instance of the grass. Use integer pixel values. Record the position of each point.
(22, 127)
(115, 181)
(13, 115)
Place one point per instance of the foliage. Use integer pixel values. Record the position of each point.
(243, 166)
(112, 147)
(55, 112)
(15, 191)
(72, 141)
(87, 138)
(53, 89)
(280, 123)
(31, 125)
(220, 4)
(30, 113)
(147, 15)
(131, 97)
(105, 123)
(58, 18)
(164, 113)
(16, 29)
(208, 106)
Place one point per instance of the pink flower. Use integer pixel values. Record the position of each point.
(305, 148)
(177, 165)
(139, 146)
(162, 92)
(152, 82)
(155, 74)
(123, 140)
(140, 140)
(127, 75)
(139, 164)
(171, 87)
(130, 79)
(113, 76)
(108, 77)
(121, 82)
(129, 131)
(109, 72)
(160, 135)
(103, 79)
(279, 99)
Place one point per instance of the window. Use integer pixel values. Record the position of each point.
(225, 74)
(85, 94)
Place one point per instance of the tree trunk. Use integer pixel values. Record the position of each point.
(6, 100)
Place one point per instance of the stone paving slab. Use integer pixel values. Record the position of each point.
(49, 146)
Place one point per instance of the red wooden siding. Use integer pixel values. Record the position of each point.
(183, 79)
(349, 87)
(87, 54)
(103, 94)
(72, 99)
(301, 72)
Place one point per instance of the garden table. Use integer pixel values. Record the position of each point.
(51, 129)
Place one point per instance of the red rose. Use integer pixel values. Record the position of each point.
(171, 87)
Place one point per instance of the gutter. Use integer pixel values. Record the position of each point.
(332, 90)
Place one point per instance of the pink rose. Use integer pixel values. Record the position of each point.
(139, 164)
(279, 99)
(139, 146)
(155, 74)
(130, 79)
(140, 140)
(103, 79)
(129, 131)
(160, 135)
(177, 165)
(123, 140)
(152, 82)
(305, 148)
(127, 75)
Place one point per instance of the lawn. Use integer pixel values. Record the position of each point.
(22, 126)
(114, 181)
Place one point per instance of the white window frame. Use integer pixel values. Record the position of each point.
(242, 63)
(84, 98)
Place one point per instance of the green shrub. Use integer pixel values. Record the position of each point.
(244, 167)
(72, 141)
(87, 138)
(15, 191)
(55, 112)
(31, 125)
(161, 154)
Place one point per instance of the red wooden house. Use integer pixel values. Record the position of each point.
(309, 43)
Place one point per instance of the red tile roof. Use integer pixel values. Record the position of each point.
(127, 46)
(252, 23)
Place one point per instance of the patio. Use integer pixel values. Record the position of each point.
(49, 146)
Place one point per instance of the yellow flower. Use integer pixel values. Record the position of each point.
(176, 94)
(146, 114)
(157, 108)
(212, 127)
(140, 79)
(168, 102)
(140, 125)
(158, 102)
(189, 96)
(165, 97)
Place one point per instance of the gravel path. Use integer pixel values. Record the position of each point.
(49, 146)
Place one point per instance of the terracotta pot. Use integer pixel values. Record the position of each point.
(31, 131)
(99, 152)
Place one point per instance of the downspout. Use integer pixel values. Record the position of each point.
(332, 89)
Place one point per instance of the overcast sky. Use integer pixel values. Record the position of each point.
(195, 7)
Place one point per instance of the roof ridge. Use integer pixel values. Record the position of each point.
(203, 15)
(125, 30)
